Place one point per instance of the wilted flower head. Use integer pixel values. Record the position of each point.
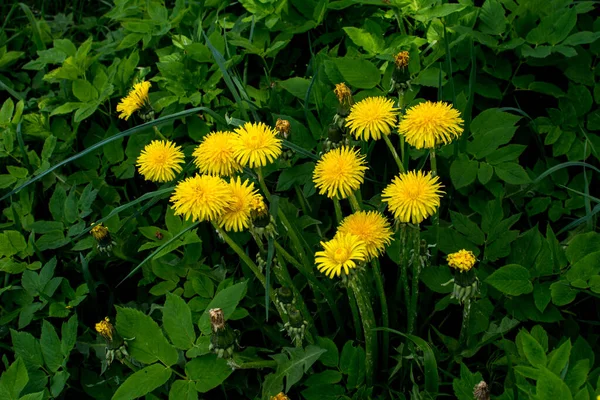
(463, 260)
(105, 329)
(136, 100)
(160, 160)
(217, 319)
(283, 126)
(428, 125)
(413, 196)
(343, 94)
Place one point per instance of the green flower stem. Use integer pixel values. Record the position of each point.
(338, 210)
(463, 338)
(394, 153)
(355, 315)
(363, 300)
(384, 308)
(403, 285)
(354, 203)
(253, 267)
(160, 135)
(415, 259)
(436, 216)
(314, 283)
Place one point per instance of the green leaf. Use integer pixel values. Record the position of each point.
(51, 347)
(296, 175)
(68, 335)
(331, 357)
(577, 374)
(463, 387)
(492, 18)
(33, 396)
(323, 378)
(511, 279)
(559, 357)
(485, 172)
(582, 245)
(28, 348)
(57, 382)
(142, 382)
(562, 293)
(149, 344)
(359, 73)
(467, 227)
(581, 38)
(371, 42)
(491, 129)
(13, 380)
(506, 153)
(66, 108)
(298, 87)
(352, 363)
(542, 295)
(84, 91)
(57, 203)
(584, 268)
(183, 390)
(292, 368)
(6, 112)
(463, 172)
(428, 13)
(533, 350)
(227, 300)
(325, 392)
(177, 319)
(512, 173)
(550, 386)
(207, 371)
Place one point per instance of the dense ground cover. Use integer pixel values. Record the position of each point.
(334, 199)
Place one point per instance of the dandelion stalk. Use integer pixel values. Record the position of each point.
(387, 140)
(355, 315)
(338, 210)
(384, 307)
(354, 203)
(358, 287)
(463, 337)
(415, 261)
(436, 216)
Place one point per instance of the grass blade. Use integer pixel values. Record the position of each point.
(155, 252)
(37, 37)
(118, 136)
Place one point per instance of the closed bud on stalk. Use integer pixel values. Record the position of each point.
(283, 127)
(103, 238)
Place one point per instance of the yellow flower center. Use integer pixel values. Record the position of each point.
(414, 193)
(340, 255)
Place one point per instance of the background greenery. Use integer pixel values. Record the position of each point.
(521, 194)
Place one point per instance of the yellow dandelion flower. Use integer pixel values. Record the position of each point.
(371, 227)
(462, 260)
(135, 100)
(256, 145)
(401, 59)
(214, 156)
(340, 253)
(339, 172)
(237, 215)
(372, 117)
(105, 329)
(429, 124)
(202, 197)
(160, 161)
(413, 196)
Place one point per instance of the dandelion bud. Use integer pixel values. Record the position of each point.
(102, 236)
(344, 95)
(283, 127)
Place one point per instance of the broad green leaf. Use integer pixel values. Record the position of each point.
(68, 335)
(463, 387)
(331, 357)
(6, 112)
(577, 374)
(28, 348)
(33, 396)
(585, 268)
(463, 172)
(352, 363)
(371, 42)
(560, 357)
(325, 392)
(149, 344)
(512, 173)
(13, 380)
(582, 245)
(84, 91)
(323, 378)
(298, 87)
(227, 300)
(51, 347)
(550, 386)
(532, 349)
(511, 279)
(358, 73)
(439, 11)
(542, 295)
(491, 129)
(58, 382)
(467, 227)
(562, 293)
(485, 172)
(177, 319)
(492, 18)
(581, 38)
(142, 382)
(207, 371)
(183, 390)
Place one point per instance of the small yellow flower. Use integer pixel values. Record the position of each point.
(135, 100)
(237, 215)
(258, 208)
(340, 253)
(202, 197)
(256, 145)
(413, 196)
(428, 125)
(160, 161)
(372, 117)
(214, 156)
(339, 172)
(280, 396)
(105, 329)
(401, 59)
(462, 260)
(371, 227)
(343, 94)
(99, 232)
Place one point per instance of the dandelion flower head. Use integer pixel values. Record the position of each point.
(135, 100)
(340, 254)
(401, 59)
(429, 124)
(160, 160)
(105, 328)
(462, 260)
(372, 117)
(256, 145)
(371, 227)
(237, 214)
(214, 156)
(343, 94)
(413, 196)
(339, 172)
(201, 198)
